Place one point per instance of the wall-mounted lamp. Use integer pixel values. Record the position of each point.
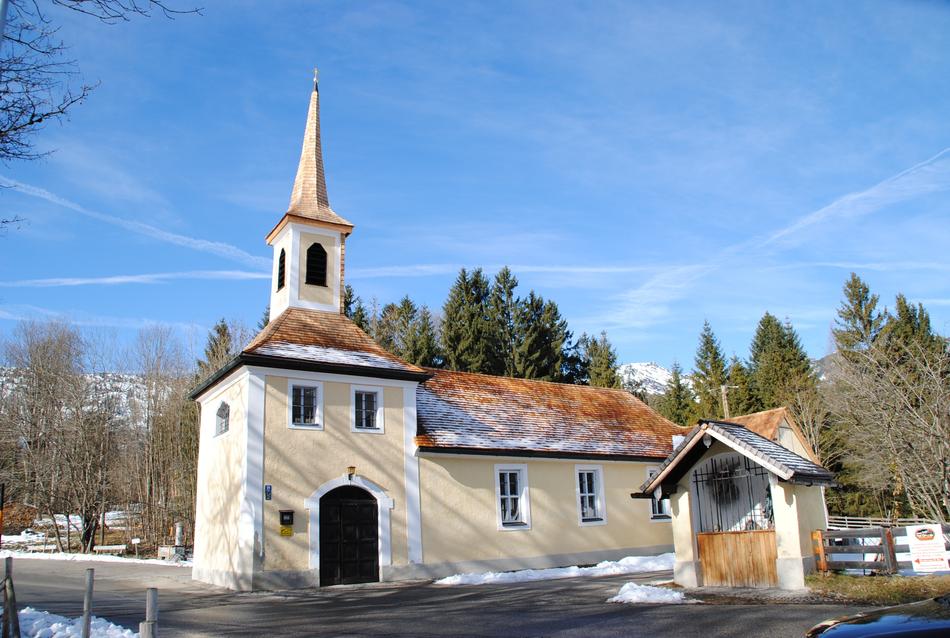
(707, 440)
(350, 471)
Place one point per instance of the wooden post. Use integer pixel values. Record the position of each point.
(887, 547)
(3, 489)
(11, 624)
(149, 627)
(87, 603)
(818, 542)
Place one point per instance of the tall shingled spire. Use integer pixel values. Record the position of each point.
(309, 197)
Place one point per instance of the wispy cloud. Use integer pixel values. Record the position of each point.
(651, 302)
(930, 176)
(429, 270)
(857, 266)
(220, 249)
(78, 318)
(147, 278)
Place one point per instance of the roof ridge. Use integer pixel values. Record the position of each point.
(557, 383)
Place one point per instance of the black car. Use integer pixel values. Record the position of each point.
(924, 619)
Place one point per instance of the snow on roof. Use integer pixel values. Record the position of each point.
(323, 337)
(476, 412)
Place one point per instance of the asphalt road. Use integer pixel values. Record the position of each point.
(572, 607)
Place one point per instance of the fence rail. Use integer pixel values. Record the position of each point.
(874, 548)
(862, 522)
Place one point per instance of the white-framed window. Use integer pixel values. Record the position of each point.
(659, 510)
(305, 404)
(222, 419)
(366, 409)
(589, 489)
(511, 496)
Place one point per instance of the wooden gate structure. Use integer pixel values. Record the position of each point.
(736, 539)
(738, 559)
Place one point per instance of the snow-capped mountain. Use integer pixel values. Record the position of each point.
(653, 377)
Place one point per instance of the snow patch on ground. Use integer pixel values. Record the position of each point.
(636, 593)
(628, 565)
(42, 624)
(92, 558)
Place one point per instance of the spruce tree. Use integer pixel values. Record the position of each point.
(465, 327)
(427, 341)
(354, 310)
(909, 326)
(264, 320)
(678, 403)
(386, 330)
(859, 323)
(709, 374)
(575, 368)
(503, 306)
(740, 395)
(778, 364)
(603, 363)
(218, 350)
(543, 335)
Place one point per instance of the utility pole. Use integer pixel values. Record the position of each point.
(725, 399)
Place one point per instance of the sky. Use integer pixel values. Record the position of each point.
(646, 165)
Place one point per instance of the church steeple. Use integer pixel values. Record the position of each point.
(309, 196)
(309, 240)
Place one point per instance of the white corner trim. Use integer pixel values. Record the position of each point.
(380, 422)
(411, 463)
(251, 522)
(524, 500)
(290, 404)
(384, 504)
(598, 471)
(295, 241)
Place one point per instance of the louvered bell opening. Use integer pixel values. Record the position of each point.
(316, 265)
(281, 268)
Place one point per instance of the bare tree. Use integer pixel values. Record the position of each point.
(893, 403)
(37, 78)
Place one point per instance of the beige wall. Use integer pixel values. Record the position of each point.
(221, 483)
(298, 461)
(460, 519)
(319, 294)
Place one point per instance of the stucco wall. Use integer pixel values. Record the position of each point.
(220, 484)
(298, 461)
(319, 294)
(279, 300)
(460, 519)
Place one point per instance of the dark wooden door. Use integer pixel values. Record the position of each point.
(349, 537)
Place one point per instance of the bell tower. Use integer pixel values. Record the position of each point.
(309, 241)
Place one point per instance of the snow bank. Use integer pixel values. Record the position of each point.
(635, 593)
(91, 558)
(42, 624)
(628, 565)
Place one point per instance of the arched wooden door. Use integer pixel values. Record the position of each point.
(349, 537)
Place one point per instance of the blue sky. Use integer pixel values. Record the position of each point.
(646, 165)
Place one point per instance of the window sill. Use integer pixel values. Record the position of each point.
(306, 426)
(514, 527)
(367, 430)
(661, 519)
(591, 522)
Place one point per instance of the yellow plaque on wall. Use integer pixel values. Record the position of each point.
(286, 530)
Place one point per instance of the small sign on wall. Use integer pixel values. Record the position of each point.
(926, 545)
(268, 492)
(286, 530)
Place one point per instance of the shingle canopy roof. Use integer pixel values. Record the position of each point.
(478, 413)
(323, 337)
(783, 462)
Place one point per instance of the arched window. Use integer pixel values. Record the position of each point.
(316, 265)
(281, 268)
(223, 417)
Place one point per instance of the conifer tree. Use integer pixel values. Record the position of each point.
(385, 333)
(575, 368)
(678, 402)
(264, 320)
(603, 363)
(218, 349)
(859, 323)
(543, 336)
(354, 310)
(741, 398)
(427, 341)
(778, 365)
(709, 374)
(909, 326)
(503, 306)
(465, 334)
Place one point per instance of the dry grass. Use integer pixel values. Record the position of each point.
(879, 590)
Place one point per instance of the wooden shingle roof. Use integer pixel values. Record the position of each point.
(481, 414)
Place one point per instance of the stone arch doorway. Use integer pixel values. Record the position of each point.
(349, 537)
